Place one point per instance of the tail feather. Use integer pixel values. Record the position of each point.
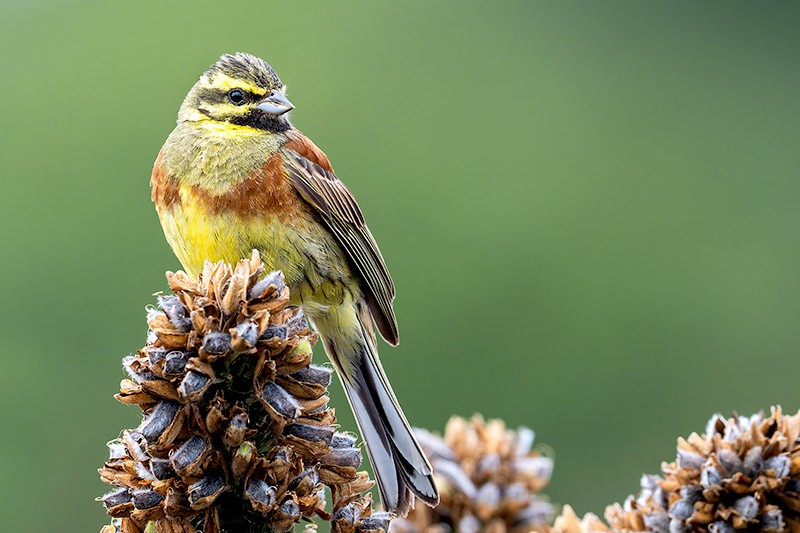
(401, 468)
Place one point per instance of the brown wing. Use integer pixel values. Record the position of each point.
(340, 212)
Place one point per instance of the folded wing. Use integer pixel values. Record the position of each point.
(340, 212)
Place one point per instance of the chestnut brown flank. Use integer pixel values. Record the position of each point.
(164, 190)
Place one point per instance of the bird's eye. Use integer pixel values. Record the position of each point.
(236, 96)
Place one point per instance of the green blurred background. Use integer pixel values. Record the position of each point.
(590, 211)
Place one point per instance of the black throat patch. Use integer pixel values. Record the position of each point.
(255, 118)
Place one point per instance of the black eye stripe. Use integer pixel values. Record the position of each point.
(220, 96)
(212, 96)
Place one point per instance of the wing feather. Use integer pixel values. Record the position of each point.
(340, 212)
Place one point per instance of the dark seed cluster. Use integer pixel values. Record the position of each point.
(488, 479)
(743, 474)
(236, 434)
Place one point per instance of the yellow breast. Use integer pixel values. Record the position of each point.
(312, 262)
(196, 234)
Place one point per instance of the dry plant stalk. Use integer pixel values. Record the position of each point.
(488, 479)
(237, 434)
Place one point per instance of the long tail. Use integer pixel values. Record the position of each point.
(401, 468)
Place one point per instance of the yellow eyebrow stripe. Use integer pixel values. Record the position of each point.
(226, 83)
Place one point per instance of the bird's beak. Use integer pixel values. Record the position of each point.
(275, 104)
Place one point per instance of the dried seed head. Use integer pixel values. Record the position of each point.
(488, 478)
(236, 426)
(738, 476)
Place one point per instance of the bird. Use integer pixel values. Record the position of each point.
(236, 175)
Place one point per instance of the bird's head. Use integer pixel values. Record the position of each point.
(240, 90)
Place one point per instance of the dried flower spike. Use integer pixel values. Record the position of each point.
(236, 433)
(743, 474)
(488, 478)
(568, 522)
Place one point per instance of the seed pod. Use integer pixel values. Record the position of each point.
(753, 461)
(217, 343)
(681, 510)
(377, 522)
(159, 419)
(155, 354)
(273, 280)
(710, 476)
(343, 440)
(720, 527)
(305, 483)
(309, 433)
(658, 522)
(691, 493)
(116, 450)
(204, 492)
(236, 431)
(287, 515)
(677, 525)
(261, 495)
(175, 363)
(772, 520)
(176, 312)
(275, 332)
(730, 462)
(279, 402)
(469, 524)
(244, 336)
(690, 459)
(189, 455)
(161, 468)
(779, 464)
(118, 502)
(136, 370)
(746, 507)
(193, 385)
(146, 498)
